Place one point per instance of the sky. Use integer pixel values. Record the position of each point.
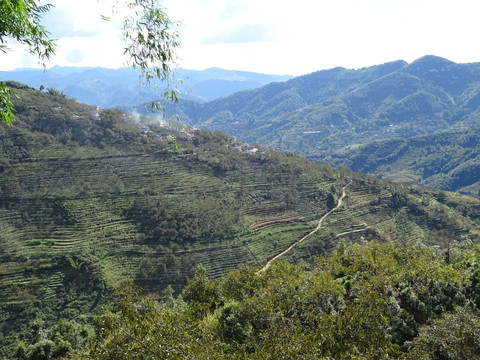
(292, 37)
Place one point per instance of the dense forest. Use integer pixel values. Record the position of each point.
(447, 160)
(371, 301)
(94, 200)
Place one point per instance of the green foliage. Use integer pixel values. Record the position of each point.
(456, 335)
(331, 201)
(137, 328)
(6, 105)
(57, 341)
(164, 220)
(76, 264)
(199, 291)
(20, 21)
(111, 116)
(57, 93)
(150, 41)
(87, 185)
(290, 312)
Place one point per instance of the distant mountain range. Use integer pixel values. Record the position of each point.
(120, 87)
(364, 119)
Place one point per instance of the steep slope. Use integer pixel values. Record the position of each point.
(320, 114)
(89, 201)
(247, 110)
(395, 105)
(447, 160)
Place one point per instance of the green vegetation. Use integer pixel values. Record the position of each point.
(20, 20)
(149, 35)
(447, 160)
(90, 200)
(370, 301)
(406, 122)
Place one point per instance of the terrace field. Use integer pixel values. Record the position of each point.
(90, 200)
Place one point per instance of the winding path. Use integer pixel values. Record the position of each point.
(319, 225)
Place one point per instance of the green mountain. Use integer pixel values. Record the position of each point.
(447, 159)
(329, 115)
(91, 199)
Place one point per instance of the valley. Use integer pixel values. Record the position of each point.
(92, 199)
(150, 211)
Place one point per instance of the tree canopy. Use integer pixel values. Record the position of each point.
(149, 35)
(372, 301)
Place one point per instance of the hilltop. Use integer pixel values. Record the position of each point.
(339, 115)
(91, 198)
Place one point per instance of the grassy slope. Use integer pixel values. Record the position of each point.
(88, 202)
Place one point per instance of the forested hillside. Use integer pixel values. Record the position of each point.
(448, 159)
(93, 198)
(339, 116)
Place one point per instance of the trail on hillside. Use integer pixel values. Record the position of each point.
(319, 225)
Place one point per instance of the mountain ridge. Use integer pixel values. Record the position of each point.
(107, 87)
(324, 113)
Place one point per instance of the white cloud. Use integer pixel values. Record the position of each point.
(79, 18)
(287, 37)
(96, 50)
(232, 8)
(242, 33)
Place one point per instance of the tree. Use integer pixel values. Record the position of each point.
(201, 292)
(20, 20)
(456, 335)
(149, 35)
(138, 327)
(330, 201)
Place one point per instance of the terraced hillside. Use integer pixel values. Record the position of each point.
(89, 201)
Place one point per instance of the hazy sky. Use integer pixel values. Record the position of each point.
(274, 36)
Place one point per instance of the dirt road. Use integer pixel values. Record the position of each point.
(319, 225)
